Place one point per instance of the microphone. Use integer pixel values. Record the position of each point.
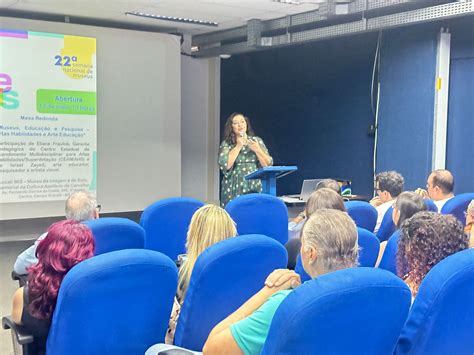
(243, 134)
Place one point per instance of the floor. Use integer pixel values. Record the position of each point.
(8, 254)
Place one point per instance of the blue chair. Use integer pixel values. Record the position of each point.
(260, 214)
(441, 320)
(458, 205)
(112, 233)
(341, 313)
(363, 214)
(369, 247)
(368, 253)
(387, 227)
(166, 224)
(389, 257)
(430, 205)
(109, 304)
(225, 276)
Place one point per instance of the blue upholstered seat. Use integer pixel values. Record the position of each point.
(458, 205)
(389, 257)
(114, 303)
(166, 224)
(369, 250)
(369, 247)
(224, 277)
(260, 214)
(363, 214)
(112, 233)
(441, 320)
(351, 311)
(387, 227)
(430, 205)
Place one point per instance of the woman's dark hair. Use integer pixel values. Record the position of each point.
(67, 243)
(425, 240)
(408, 203)
(229, 133)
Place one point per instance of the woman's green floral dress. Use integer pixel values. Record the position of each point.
(233, 183)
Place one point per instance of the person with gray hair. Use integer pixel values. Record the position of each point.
(80, 206)
(388, 185)
(329, 243)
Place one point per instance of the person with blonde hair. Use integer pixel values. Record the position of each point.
(329, 243)
(210, 224)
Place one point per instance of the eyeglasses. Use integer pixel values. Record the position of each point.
(98, 208)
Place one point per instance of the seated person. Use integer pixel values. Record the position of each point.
(406, 205)
(425, 240)
(440, 186)
(80, 206)
(320, 198)
(296, 224)
(329, 243)
(469, 230)
(67, 243)
(210, 224)
(388, 185)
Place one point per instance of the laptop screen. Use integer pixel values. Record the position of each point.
(308, 187)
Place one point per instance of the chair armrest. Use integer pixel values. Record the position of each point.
(22, 278)
(21, 335)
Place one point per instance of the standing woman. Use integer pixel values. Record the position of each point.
(240, 153)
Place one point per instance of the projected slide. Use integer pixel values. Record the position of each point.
(48, 115)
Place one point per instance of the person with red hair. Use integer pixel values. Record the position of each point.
(67, 243)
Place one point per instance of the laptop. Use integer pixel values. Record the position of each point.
(308, 186)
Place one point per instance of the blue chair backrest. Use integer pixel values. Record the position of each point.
(387, 227)
(114, 303)
(441, 320)
(389, 257)
(341, 313)
(363, 214)
(369, 250)
(166, 224)
(113, 233)
(369, 247)
(225, 276)
(260, 214)
(430, 205)
(458, 205)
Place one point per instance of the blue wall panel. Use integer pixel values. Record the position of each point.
(460, 145)
(310, 104)
(405, 138)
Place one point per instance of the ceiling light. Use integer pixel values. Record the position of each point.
(291, 2)
(174, 19)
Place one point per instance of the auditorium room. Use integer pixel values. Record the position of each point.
(186, 177)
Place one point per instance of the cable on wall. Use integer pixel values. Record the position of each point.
(374, 101)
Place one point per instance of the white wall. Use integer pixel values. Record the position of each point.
(200, 110)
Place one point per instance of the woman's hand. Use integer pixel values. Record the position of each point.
(282, 279)
(242, 141)
(253, 145)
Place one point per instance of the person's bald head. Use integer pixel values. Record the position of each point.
(440, 184)
(81, 206)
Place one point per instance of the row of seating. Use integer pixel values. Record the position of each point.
(120, 302)
(165, 222)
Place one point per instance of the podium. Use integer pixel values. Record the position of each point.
(268, 175)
